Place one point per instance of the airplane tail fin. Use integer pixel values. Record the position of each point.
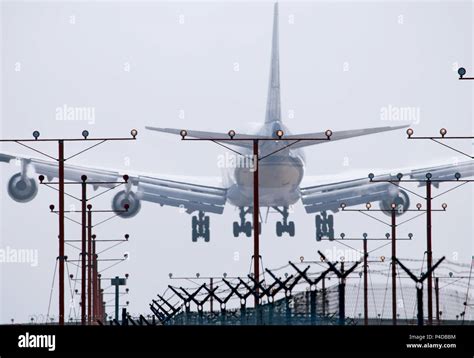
(273, 111)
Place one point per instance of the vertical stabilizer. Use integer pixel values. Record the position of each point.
(273, 112)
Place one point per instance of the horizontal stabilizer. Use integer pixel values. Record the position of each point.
(336, 135)
(208, 135)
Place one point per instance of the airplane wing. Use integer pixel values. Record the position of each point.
(184, 194)
(328, 194)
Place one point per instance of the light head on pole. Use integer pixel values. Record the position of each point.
(328, 133)
(183, 133)
(85, 133)
(231, 134)
(36, 135)
(409, 132)
(461, 72)
(134, 133)
(279, 133)
(443, 132)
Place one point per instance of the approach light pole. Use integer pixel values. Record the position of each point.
(61, 159)
(365, 261)
(233, 137)
(393, 225)
(89, 268)
(427, 181)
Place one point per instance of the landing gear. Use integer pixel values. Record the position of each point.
(245, 226)
(324, 226)
(200, 227)
(284, 225)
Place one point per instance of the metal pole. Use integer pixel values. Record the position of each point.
(83, 250)
(61, 229)
(312, 295)
(419, 300)
(211, 299)
(342, 297)
(394, 278)
(117, 298)
(366, 301)
(89, 266)
(429, 255)
(437, 299)
(100, 307)
(95, 304)
(323, 288)
(256, 253)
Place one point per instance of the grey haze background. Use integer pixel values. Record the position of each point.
(190, 67)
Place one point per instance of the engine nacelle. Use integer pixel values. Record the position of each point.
(21, 188)
(402, 202)
(122, 198)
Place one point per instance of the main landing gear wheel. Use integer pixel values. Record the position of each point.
(284, 226)
(244, 226)
(200, 227)
(324, 226)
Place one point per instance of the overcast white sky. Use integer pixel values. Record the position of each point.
(148, 63)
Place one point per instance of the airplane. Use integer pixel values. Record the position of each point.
(280, 176)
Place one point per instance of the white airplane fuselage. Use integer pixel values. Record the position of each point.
(279, 174)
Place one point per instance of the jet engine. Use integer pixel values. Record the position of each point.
(21, 188)
(123, 197)
(402, 202)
